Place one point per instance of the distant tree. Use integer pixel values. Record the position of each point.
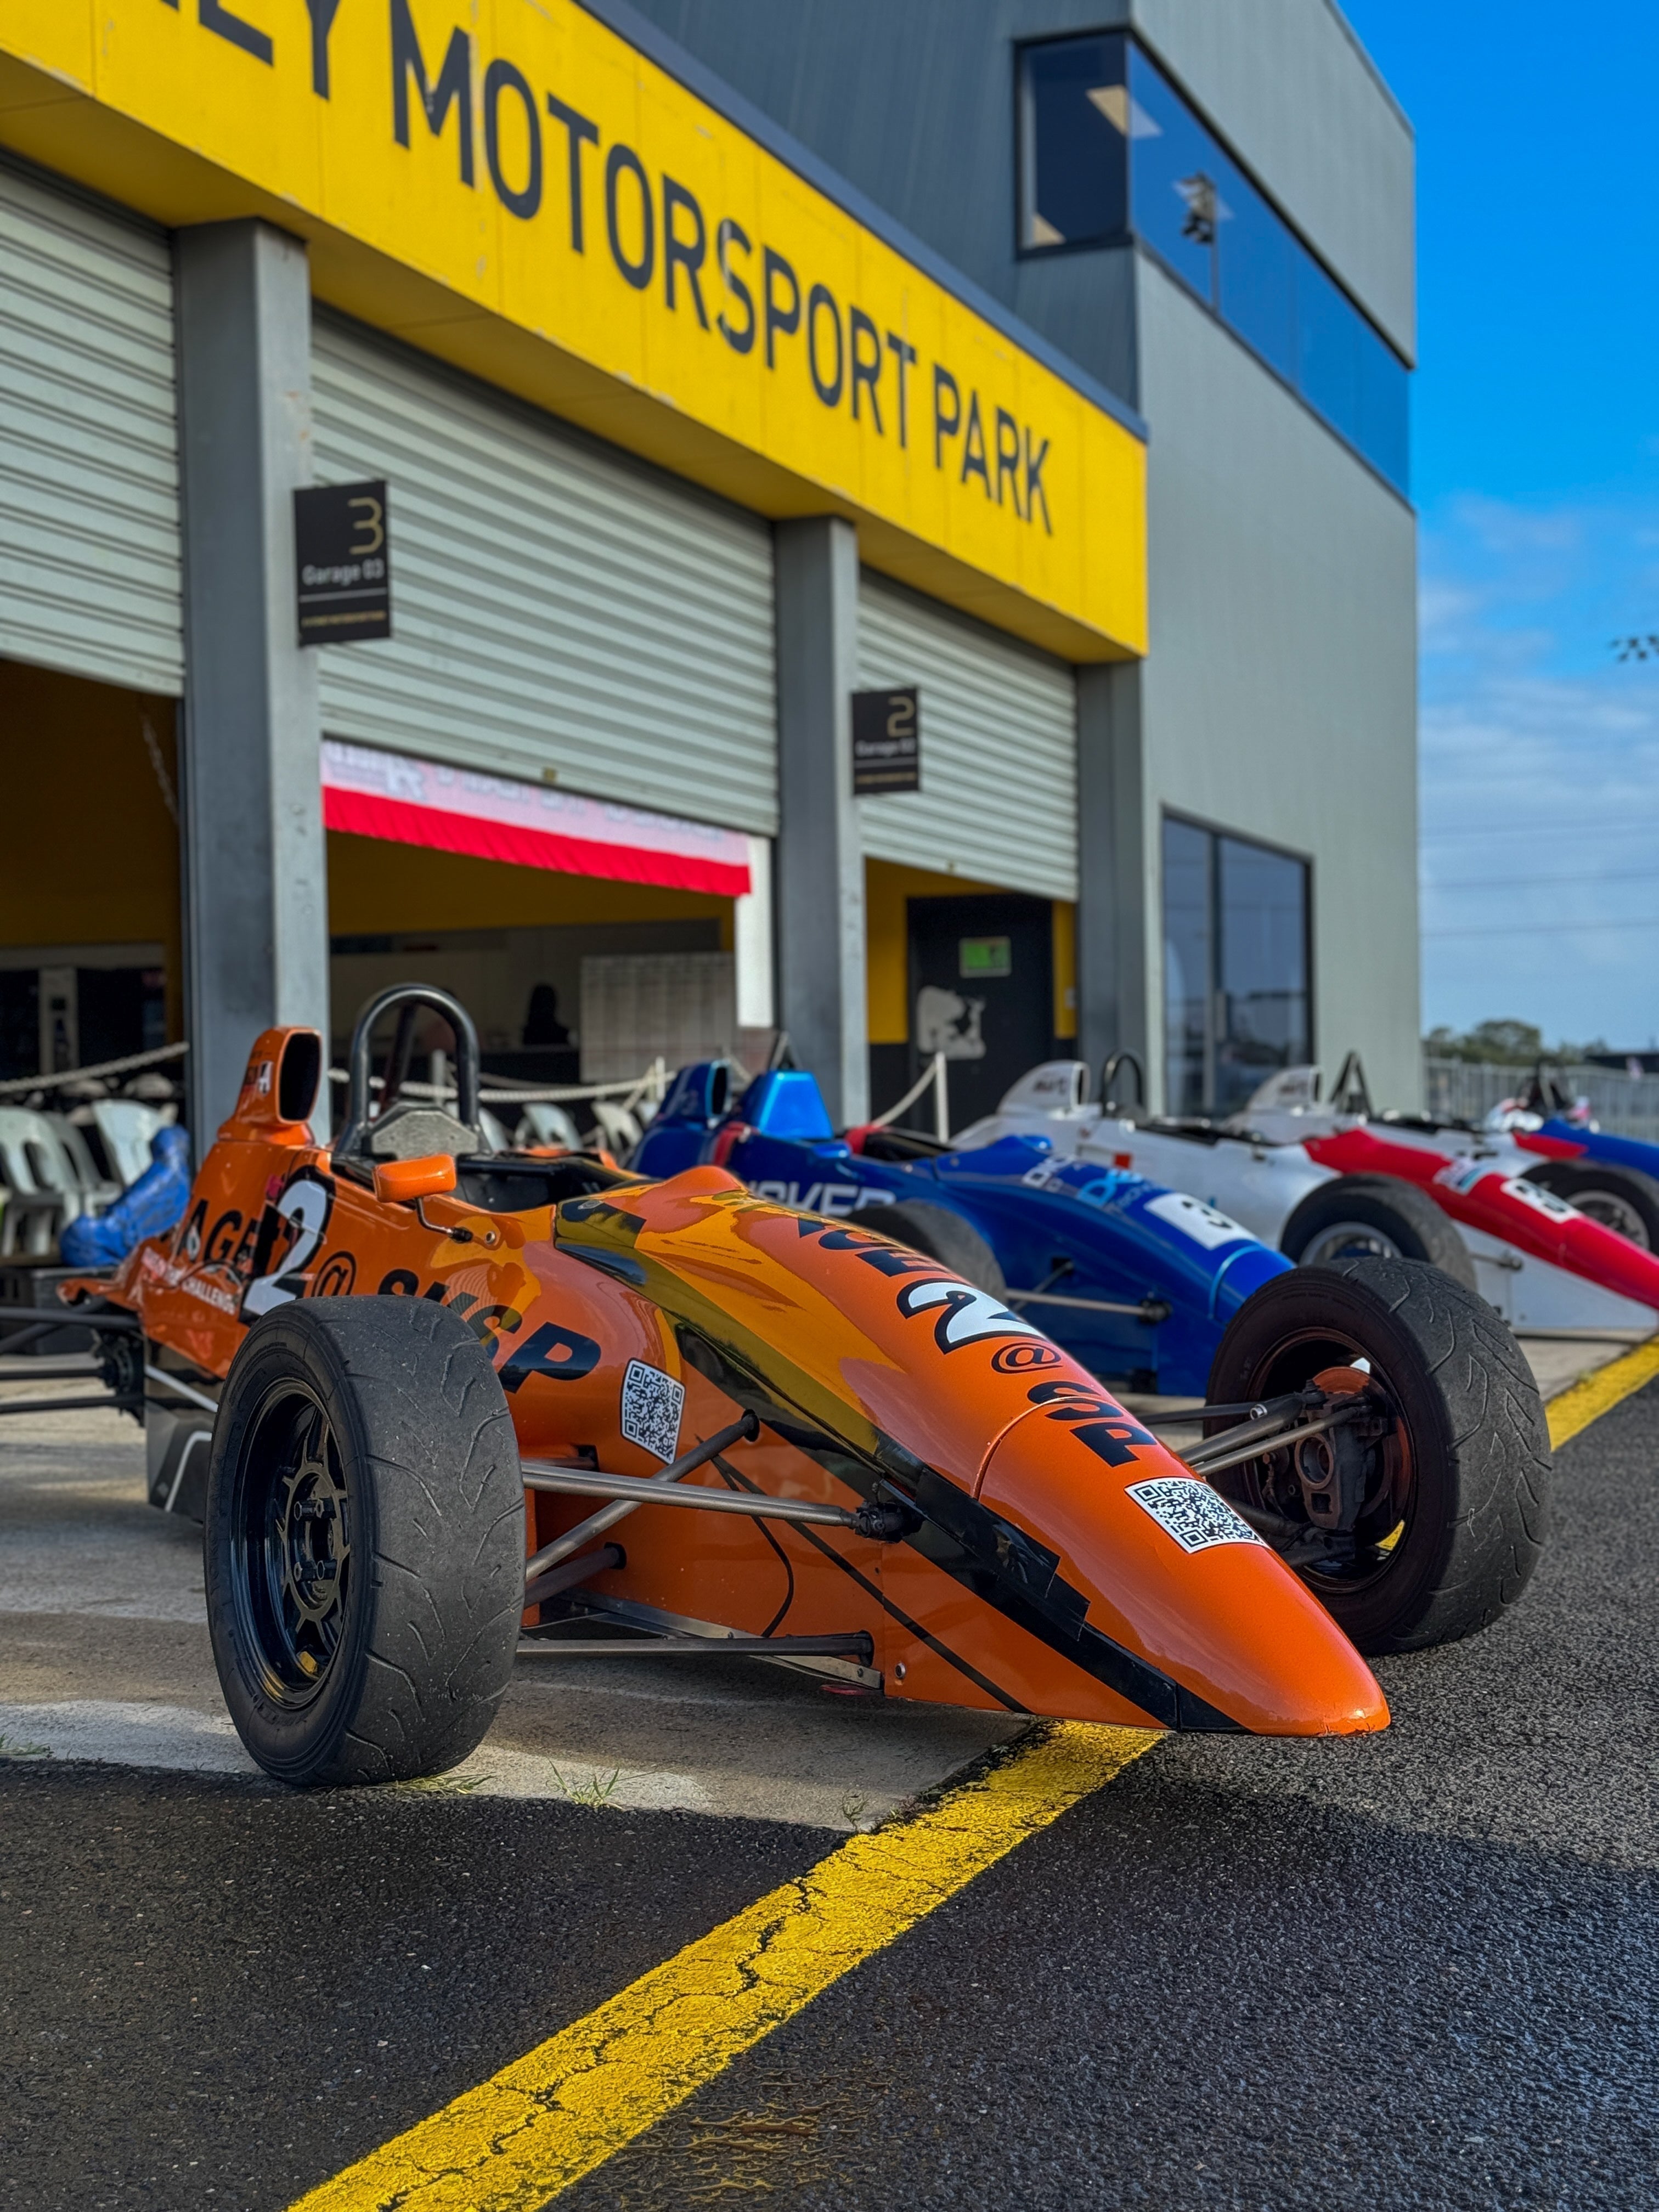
(1513, 1044)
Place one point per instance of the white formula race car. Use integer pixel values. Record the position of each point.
(1325, 1181)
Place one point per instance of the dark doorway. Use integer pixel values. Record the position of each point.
(981, 988)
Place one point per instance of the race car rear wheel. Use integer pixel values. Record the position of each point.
(365, 1541)
(1457, 1497)
(1376, 1217)
(1623, 1199)
(940, 1235)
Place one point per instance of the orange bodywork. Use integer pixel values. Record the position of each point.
(1032, 1579)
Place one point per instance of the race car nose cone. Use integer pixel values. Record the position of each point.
(1174, 1580)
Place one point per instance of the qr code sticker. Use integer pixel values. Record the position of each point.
(1191, 1512)
(652, 1403)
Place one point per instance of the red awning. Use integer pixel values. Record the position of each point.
(372, 793)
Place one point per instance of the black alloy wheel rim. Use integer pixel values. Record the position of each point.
(1270, 1482)
(1614, 1211)
(291, 1546)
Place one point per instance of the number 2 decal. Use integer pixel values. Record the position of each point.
(302, 1211)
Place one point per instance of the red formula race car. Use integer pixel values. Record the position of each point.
(438, 1406)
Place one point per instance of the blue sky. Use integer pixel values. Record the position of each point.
(1536, 472)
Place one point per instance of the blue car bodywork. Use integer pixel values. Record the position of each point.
(1069, 1228)
(1600, 1144)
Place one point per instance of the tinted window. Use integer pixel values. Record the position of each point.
(1263, 1016)
(1257, 259)
(1073, 151)
(1174, 179)
(1188, 946)
(1327, 346)
(1384, 408)
(1236, 968)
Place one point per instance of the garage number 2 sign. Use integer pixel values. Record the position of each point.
(886, 741)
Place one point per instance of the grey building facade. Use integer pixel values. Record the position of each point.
(1247, 284)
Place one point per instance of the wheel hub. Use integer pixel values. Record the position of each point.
(1346, 1487)
(293, 1546)
(311, 1539)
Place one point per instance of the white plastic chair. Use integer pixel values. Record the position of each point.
(42, 1192)
(620, 1131)
(92, 1191)
(126, 1127)
(544, 1123)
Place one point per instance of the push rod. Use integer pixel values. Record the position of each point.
(857, 1647)
(549, 1581)
(745, 1431)
(635, 1491)
(1232, 1449)
(182, 1389)
(67, 1317)
(70, 1405)
(1148, 1310)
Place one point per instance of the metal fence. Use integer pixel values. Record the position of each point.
(1465, 1089)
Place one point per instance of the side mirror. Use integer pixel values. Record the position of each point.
(400, 1183)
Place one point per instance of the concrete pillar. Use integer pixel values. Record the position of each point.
(1112, 904)
(819, 886)
(256, 892)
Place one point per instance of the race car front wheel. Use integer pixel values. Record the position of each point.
(1623, 1199)
(365, 1541)
(938, 1234)
(1451, 1496)
(1377, 1217)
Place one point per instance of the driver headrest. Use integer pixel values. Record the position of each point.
(414, 1133)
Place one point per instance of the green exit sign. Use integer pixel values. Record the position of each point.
(980, 958)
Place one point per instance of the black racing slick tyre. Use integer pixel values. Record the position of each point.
(1456, 1503)
(938, 1234)
(365, 1542)
(1373, 1216)
(1623, 1199)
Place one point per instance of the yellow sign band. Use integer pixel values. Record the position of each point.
(512, 187)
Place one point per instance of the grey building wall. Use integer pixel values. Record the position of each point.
(1279, 690)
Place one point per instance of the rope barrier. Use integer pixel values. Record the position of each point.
(17, 1086)
(629, 1089)
(933, 1073)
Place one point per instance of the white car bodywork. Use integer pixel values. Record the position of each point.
(1257, 1170)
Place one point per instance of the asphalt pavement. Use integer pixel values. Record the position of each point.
(1416, 1969)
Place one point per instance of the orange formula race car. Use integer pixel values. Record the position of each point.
(438, 1406)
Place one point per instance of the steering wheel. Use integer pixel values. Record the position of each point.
(409, 1129)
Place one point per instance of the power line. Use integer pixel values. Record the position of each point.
(1621, 824)
(1543, 928)
(1525, 882)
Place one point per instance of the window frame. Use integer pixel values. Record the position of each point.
(1216, 832)
(1025, 153)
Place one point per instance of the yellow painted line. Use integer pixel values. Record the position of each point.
(552, 2117)
(1598, 1393)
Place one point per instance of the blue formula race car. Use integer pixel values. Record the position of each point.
(1136, 1281)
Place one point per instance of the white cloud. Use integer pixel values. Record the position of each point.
(1540, 768)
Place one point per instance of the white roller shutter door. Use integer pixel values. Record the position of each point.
(555, 606)
(999, 748)
(89, 558)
